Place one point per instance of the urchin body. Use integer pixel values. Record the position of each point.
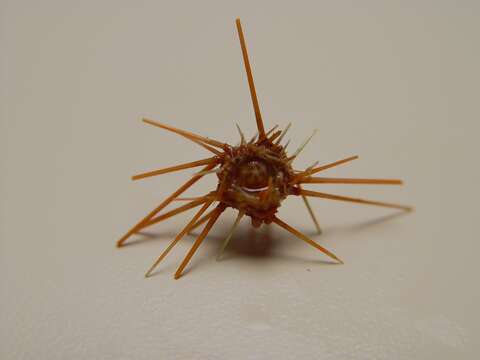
(254, 178)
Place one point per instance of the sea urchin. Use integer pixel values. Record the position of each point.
(254, 177)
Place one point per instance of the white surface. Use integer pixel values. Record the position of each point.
(394, 82)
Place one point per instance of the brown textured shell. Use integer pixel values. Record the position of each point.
(253, 177)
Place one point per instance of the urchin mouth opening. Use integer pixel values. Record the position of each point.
(254, 190)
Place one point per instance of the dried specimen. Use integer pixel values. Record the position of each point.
(254, 177)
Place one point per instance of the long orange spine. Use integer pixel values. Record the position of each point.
(251, 84)
(167, 201)
(173, 168)
(355, 200)
(218, 210)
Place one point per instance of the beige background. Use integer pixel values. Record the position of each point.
(394, 82)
